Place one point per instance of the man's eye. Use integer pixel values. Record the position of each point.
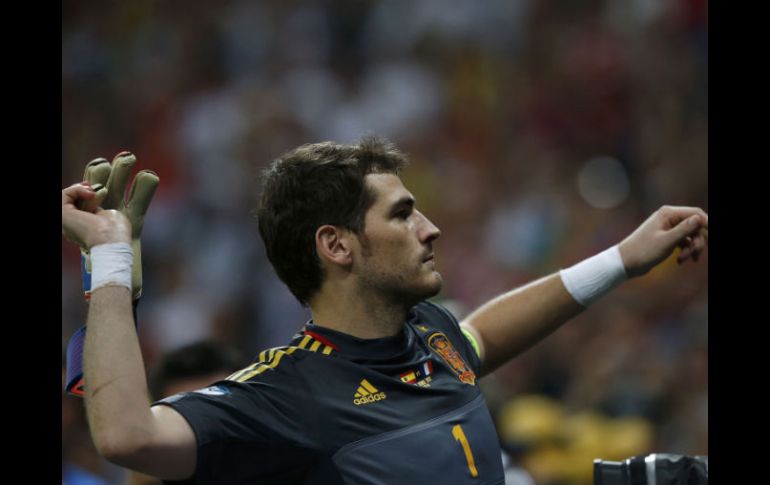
(403, 214)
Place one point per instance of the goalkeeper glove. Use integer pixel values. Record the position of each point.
(109, 184)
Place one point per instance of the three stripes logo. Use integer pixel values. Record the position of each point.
(270, 358)
(367, 393)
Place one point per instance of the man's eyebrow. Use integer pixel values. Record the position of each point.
(407, 201)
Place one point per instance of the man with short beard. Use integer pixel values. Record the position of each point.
(380, 386)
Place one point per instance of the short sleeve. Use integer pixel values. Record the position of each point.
(247, 432)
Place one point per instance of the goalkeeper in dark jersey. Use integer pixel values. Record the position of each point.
(380, 386)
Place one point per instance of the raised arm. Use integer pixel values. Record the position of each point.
(125, 430)
(515, 321)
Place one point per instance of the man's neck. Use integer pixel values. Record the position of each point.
(362, 316)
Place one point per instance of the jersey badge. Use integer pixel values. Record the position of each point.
(409, 377)
(440, 344)
(367, 394)
(214, 391)
(422, 373)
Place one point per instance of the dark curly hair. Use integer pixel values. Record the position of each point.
(314, 185)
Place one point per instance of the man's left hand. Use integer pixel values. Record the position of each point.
(668, 228)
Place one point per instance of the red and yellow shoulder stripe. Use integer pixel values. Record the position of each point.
(270, 358)
(314, 342)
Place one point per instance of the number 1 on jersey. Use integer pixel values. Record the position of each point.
(457, 432)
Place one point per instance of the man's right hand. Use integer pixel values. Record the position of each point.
(109, 182)
(89, 228)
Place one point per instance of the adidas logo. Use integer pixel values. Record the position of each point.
(367, 393)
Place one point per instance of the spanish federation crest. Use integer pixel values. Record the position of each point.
(441, 345)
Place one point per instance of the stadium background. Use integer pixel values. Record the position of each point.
(540, 132)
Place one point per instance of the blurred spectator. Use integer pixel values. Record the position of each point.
(193, 366)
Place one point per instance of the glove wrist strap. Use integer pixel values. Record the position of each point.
(73, 380)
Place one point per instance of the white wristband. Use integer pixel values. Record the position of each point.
(588, 280)
(111, 265)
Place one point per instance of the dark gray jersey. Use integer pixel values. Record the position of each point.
(331, 408)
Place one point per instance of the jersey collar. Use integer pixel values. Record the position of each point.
(348, 345)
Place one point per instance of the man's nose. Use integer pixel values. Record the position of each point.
(428, 230)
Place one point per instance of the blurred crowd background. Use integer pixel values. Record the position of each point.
(540, 132)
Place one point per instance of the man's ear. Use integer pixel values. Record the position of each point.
(333, 245)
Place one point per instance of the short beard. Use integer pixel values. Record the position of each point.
(392, 290)
(395, 289)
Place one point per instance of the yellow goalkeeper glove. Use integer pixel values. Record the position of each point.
(109, 183)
